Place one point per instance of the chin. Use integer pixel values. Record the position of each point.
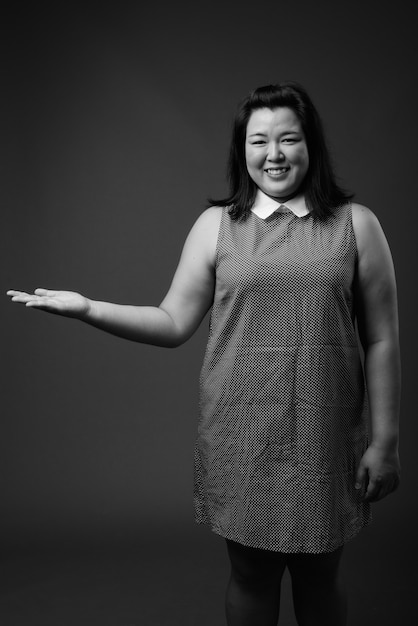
(282, 193)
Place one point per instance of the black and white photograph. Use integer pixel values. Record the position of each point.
(209, 340)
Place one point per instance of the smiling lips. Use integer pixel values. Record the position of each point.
(276, 171)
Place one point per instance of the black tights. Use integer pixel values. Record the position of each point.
(253, 593)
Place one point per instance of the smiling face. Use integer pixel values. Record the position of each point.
(276, 152)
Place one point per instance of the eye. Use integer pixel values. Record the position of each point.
(290, 139)
(259, 142)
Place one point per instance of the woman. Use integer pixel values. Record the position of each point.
(289, 265)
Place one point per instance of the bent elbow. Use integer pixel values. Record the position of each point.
(175, 342)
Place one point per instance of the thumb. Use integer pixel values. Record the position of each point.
(44, 292)
(360, 476)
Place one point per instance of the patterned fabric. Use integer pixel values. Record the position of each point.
(283, 408)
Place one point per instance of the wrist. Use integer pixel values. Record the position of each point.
(86, 312)
(388, 443)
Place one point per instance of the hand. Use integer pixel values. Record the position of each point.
(67, 303)
(378, 473)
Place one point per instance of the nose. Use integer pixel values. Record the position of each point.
(274, 152)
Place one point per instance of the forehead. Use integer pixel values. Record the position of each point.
(269, 120)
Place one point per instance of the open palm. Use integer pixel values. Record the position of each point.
(68, 303)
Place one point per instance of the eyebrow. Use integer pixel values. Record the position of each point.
(286, 132)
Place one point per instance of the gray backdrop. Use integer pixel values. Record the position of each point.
(116, 122)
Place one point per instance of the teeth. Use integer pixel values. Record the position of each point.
(277, 170)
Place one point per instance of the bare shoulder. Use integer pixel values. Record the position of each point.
(210, 218)
(371, 241)
(366, 226)
(363, 217)
(207, 225)
(203, 236)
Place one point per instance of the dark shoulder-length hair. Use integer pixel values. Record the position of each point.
(322, 193)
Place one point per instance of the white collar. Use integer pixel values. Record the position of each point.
(264, 206)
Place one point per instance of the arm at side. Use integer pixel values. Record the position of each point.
(377, 317)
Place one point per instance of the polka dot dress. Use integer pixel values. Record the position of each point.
(283, 409)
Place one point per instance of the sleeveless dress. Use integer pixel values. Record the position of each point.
(283, 405)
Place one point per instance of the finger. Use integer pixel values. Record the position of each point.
(15, 292)
(42, 302)
(23, 297)
(387, 487)
(36, 303)
(40, 291)
(374, 495)
(373, 490)
(360, 477)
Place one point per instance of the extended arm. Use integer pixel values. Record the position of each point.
(377, 318)
(178, 316)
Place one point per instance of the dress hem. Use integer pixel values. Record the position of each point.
(306, 550)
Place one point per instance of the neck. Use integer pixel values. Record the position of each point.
(285, 199)
(300, 191)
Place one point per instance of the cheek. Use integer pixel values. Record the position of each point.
(302, 158)
(301, 161)
(251, 160)
(247, 159)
